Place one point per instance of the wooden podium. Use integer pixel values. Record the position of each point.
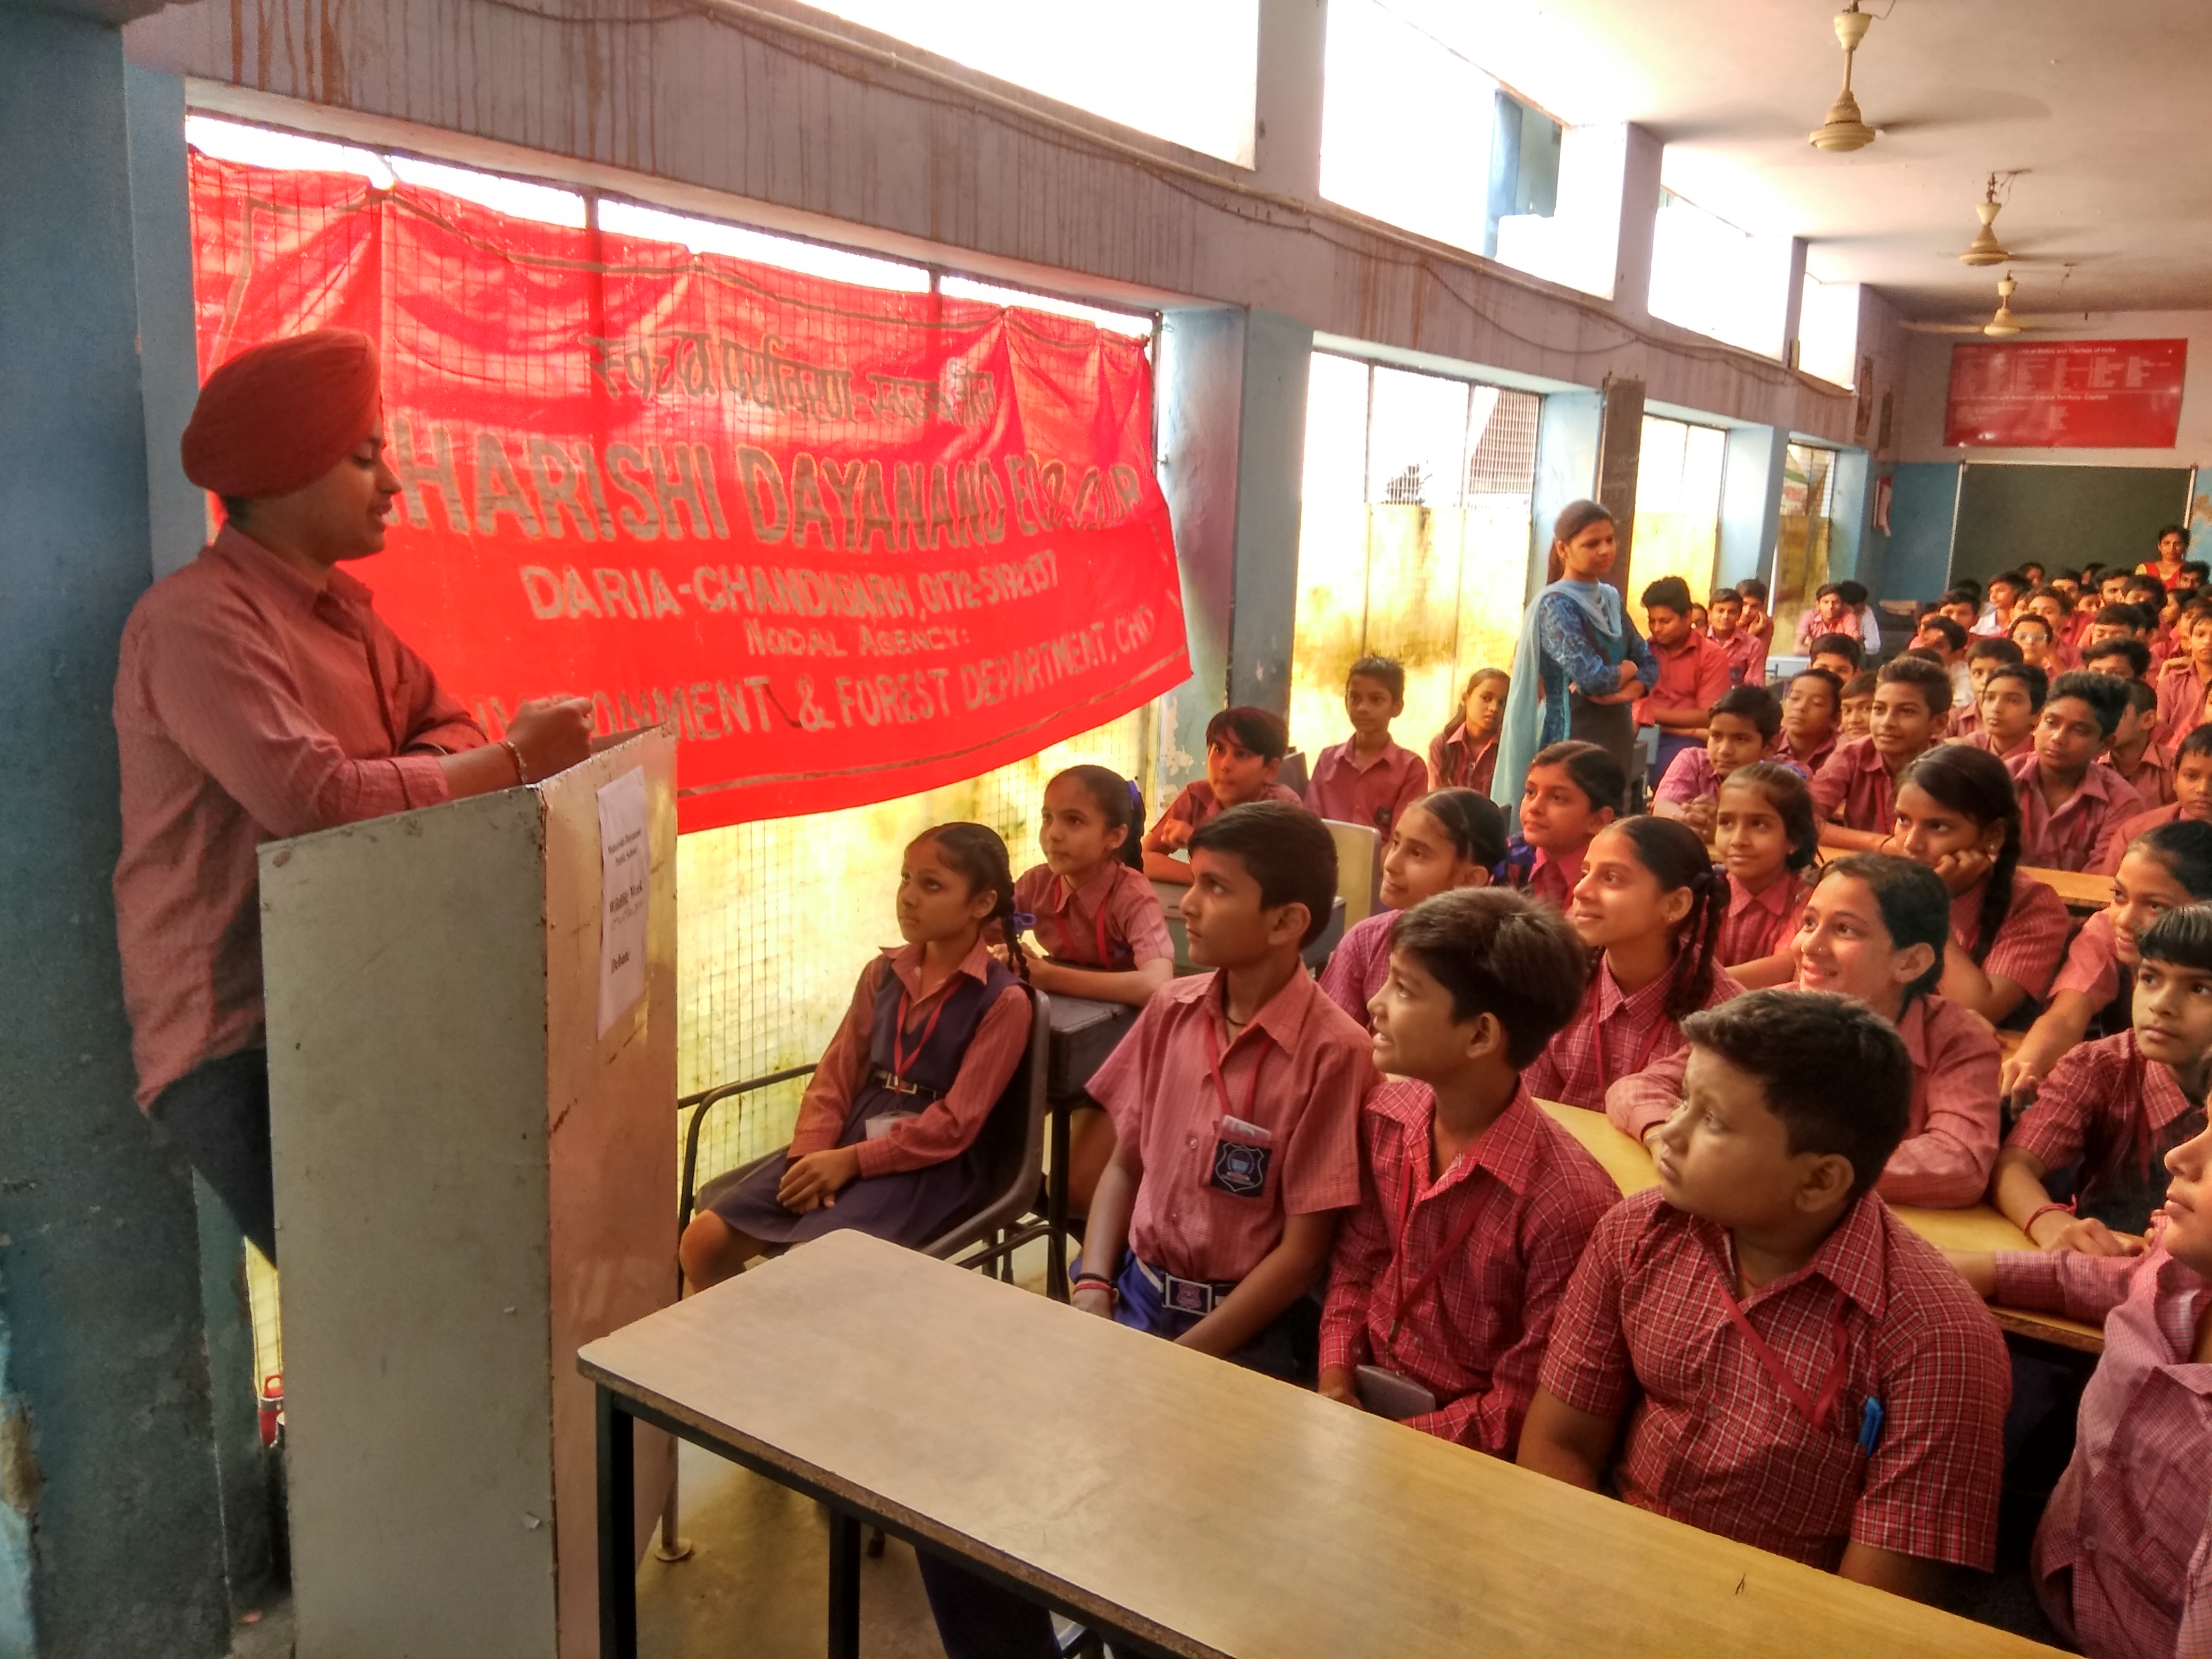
(472, 1182)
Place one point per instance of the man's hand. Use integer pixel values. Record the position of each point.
(815, 1179)
(1337, 1384)
(551, 734)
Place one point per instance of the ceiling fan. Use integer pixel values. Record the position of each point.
(1844, 129)
(2003, 325)
(1986, 249)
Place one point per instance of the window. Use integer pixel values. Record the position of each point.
(1574, 239)
(1709, 275)
(1108, 57)
(1678, 507)
(1414, 543)
(1828, 330)
(1801, 553)
(1406, 125)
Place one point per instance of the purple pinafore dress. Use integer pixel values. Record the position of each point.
(906, 1207)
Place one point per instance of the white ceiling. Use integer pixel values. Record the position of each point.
(2097, 104)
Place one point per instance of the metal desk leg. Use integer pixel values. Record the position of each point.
(617, 1510)
(844, 1585)
(1056, 1204)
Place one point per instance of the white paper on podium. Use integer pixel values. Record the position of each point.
(624, 852)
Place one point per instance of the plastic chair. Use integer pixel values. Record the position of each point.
(1012, 1139)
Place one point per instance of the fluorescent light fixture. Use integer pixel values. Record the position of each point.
(712, 236)
(1114, 322)
(262, 147)
(512, 196)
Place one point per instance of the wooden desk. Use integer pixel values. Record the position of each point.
(1083, 1032)
(1980, 1228)
(2085, 894)
(1176, 1503)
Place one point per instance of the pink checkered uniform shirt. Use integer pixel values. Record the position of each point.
(1857, 780)
(2079, 835)
(1358, 965)
(1614, 1034)
(2123, 1558)
(1068, 923)
(1713, 1440)
(1312, 1071)
(2117, 1113)
(2030, 940)
(1515, 1208)
(1761, 924)
(1375, 795)
(1950, 1143)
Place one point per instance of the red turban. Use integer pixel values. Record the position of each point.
(275, 418)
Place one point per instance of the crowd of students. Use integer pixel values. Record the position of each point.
(1785, 981)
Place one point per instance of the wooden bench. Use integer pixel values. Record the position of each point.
(2085, 893)
(1980, 1228)
(1176, 1504)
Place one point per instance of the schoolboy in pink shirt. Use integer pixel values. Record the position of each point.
(1367, 778)
(1855, 795)
(1474, 1205)
(1792, 1366)
(2122, 1556)
(1746, 654)
(2071, 809)
(1245, 751)
(2146, 764)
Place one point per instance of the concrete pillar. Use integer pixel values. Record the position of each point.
(1286, 137)
(1200, 391)
(1640, 154)
(1566, 470)
(111, 1543)
(169, 350)
(1751, 503)
(1619, 458)
(1850, 503)
(1271, 448)
(1793, 300)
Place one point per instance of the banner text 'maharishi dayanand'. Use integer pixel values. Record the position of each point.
(854, 543)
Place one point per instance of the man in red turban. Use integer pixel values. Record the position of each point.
(260, 695)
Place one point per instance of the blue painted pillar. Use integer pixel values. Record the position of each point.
(1751, 503)
(110, 1539)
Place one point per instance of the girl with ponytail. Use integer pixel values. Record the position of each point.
(1452, 838)
(885, 1142)
(1957, 814)
(1650, 906)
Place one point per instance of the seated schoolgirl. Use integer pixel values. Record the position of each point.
(1475, 1205)
(1573, 790)
(1244, 751)
(2193, 795)
(1099, 922)
(2122, 1562)
(1451, 839)
(1741, 726)
(1957, 813)
(1464, 755)
(885, 1142)
(1649, 907)
(1874, 929)
(2114, 1108)
(2094, 996)
(1766, 838)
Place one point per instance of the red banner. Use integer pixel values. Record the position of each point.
(854, 542)
(2066, 394)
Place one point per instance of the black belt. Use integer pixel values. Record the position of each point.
(1190, 1295)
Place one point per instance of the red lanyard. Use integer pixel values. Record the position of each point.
(1408, 1298)
(1814, 1409)
(1213, 1064)
(901, 1057)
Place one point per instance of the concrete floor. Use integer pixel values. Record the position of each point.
(756, 1581)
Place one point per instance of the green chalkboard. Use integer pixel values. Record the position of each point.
(2063, 516)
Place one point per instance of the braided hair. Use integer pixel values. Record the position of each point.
(1120, 802)
(1675, 855)
(1974, 782)
(1474, 822)
(977, 852)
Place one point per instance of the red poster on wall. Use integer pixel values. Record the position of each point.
(854, 543)
(2070, 394)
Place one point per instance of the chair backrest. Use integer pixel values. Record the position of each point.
(1291, 775)
(1012, 1140)
(1359, 868)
